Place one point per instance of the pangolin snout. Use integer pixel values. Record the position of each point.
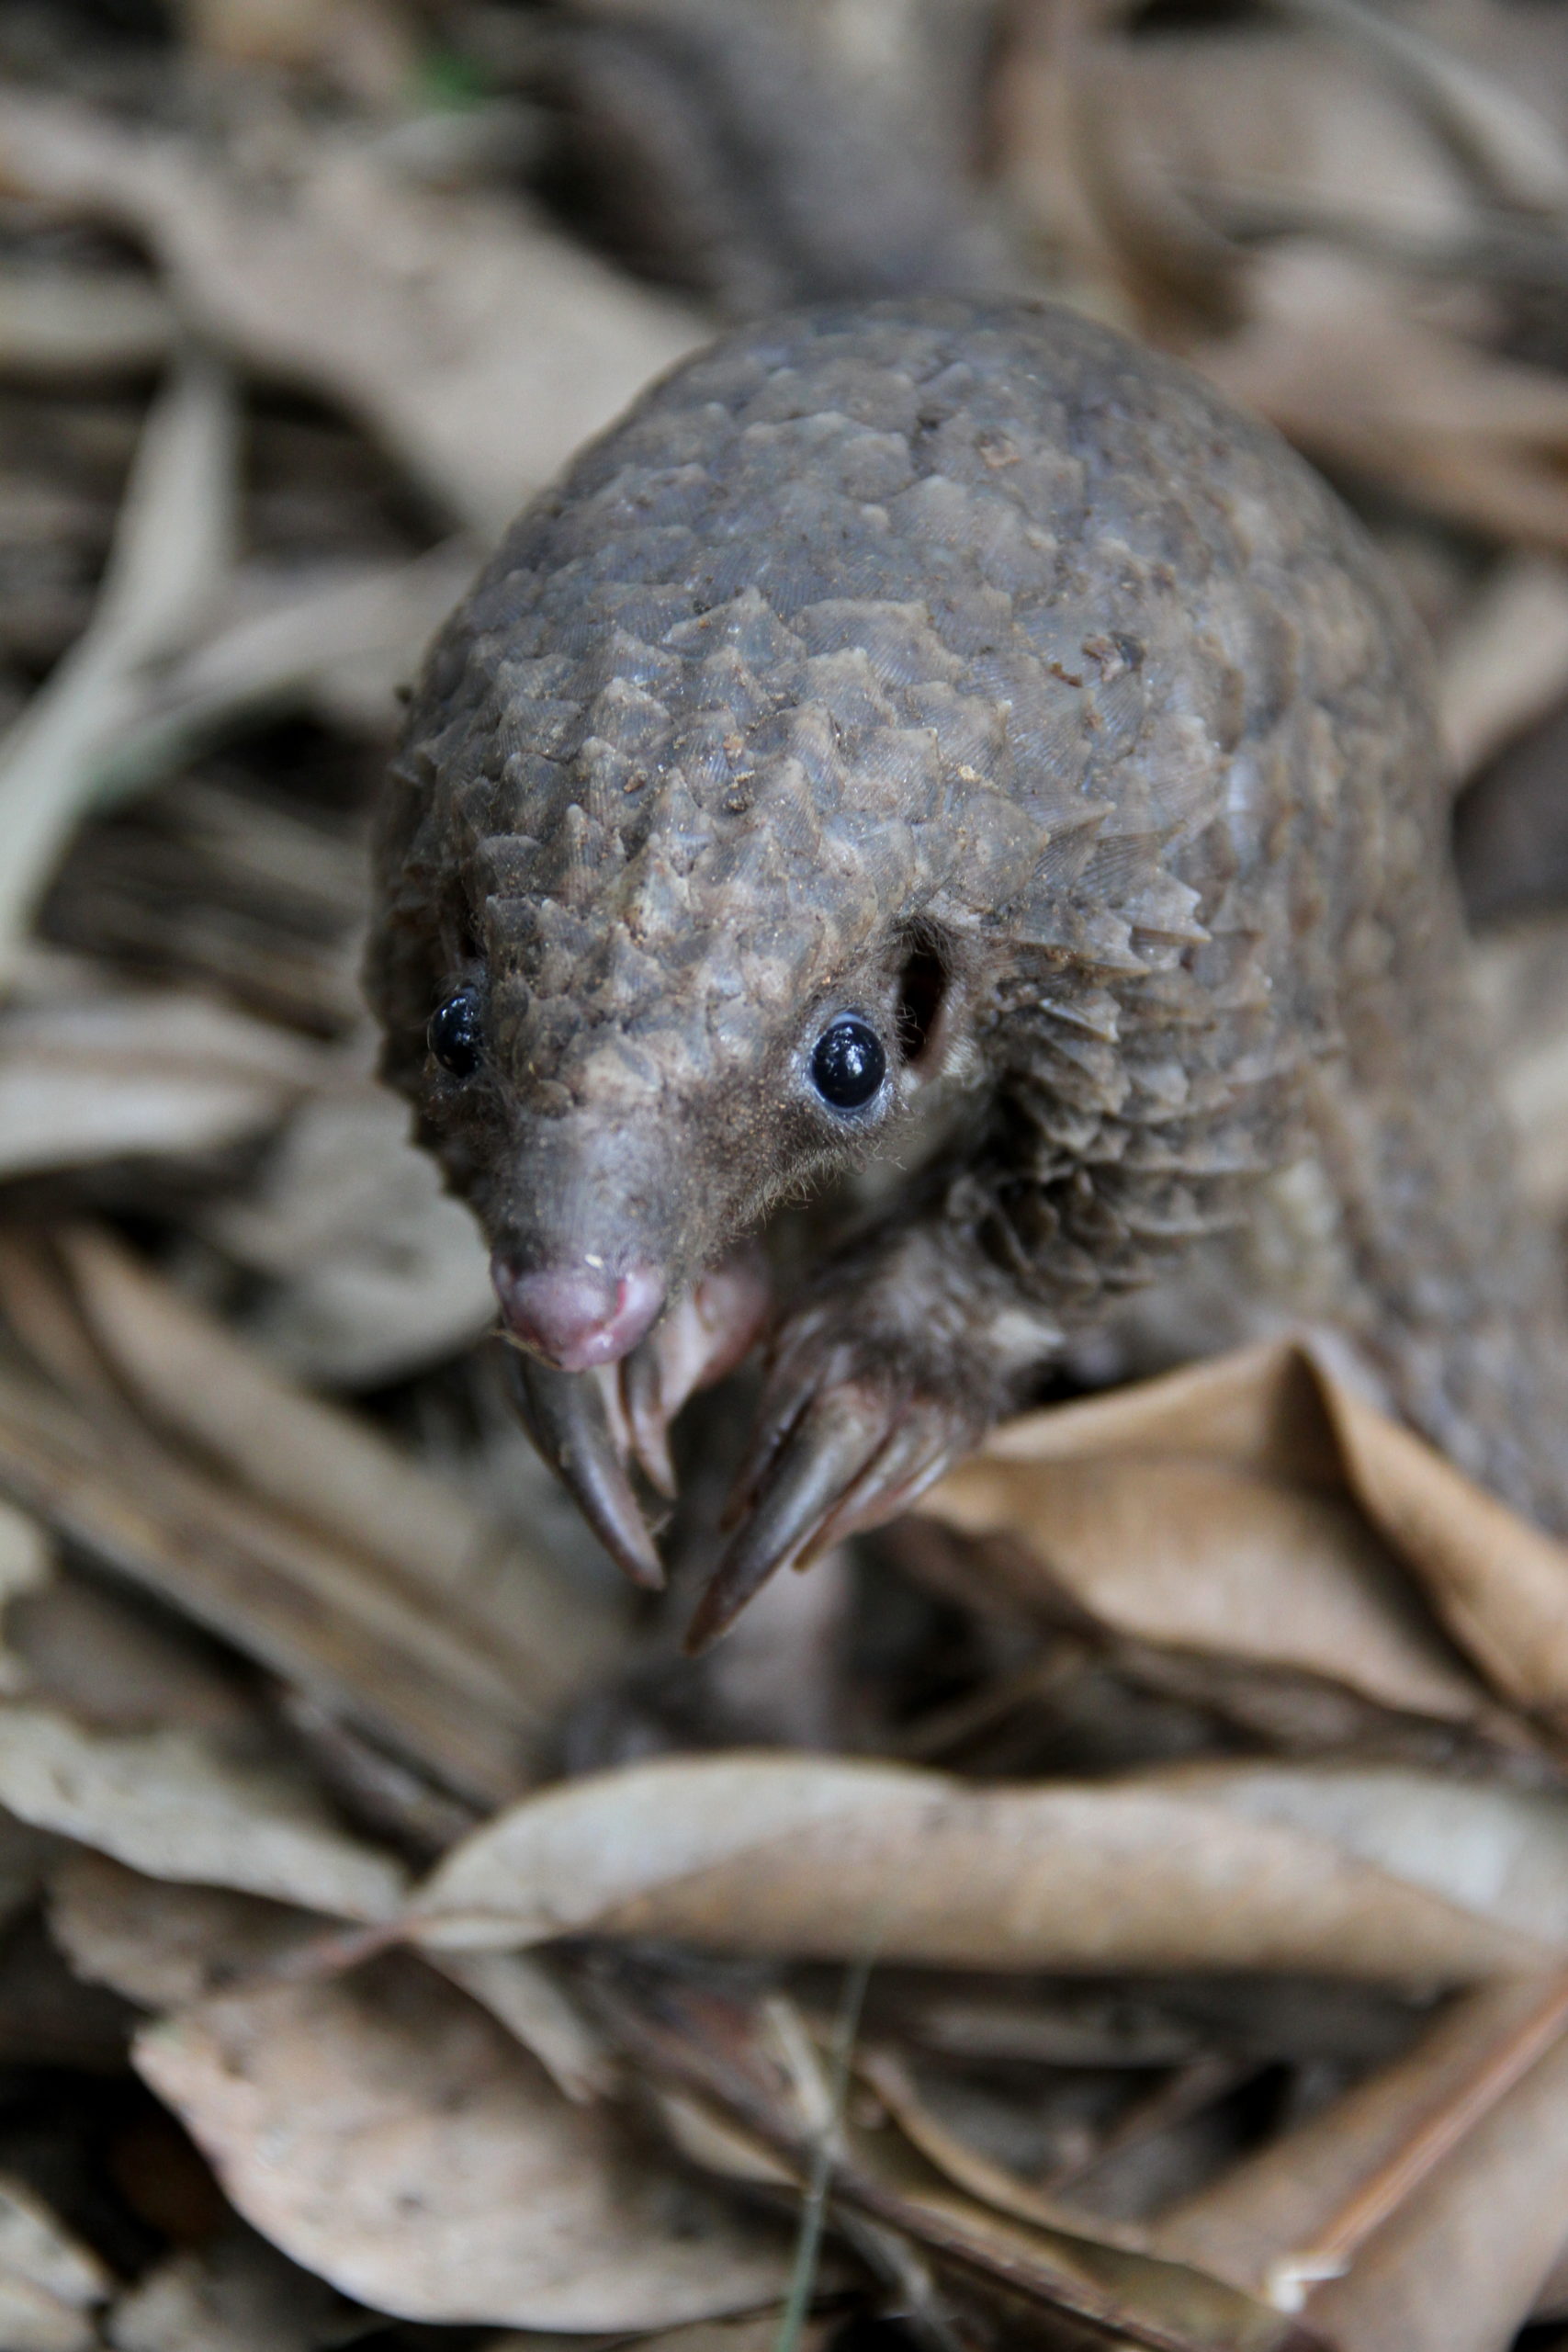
(578, 1315)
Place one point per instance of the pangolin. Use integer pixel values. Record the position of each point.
(935, 760)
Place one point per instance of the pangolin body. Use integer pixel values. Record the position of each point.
(951, 697)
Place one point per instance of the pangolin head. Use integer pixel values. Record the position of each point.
(793, 706)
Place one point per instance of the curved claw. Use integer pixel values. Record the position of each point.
(647, 1416)
(563, 1413)
(853, 1455)
(704, 1335)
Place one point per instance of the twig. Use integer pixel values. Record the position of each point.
(1386, 2190)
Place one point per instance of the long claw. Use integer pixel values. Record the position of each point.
(787, 1403)
(704, 1335)
(647, 1416)
(564, 1414)
(828, 1457)
(890, 1482)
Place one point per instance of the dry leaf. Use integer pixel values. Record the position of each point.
(373, 1269)
(1466, 2138)
(1288, 121)
(407, 1611)
(336, 639)
(1522, 974)
(748, 2098)
(1337, 355)
(50, 2282)
(34, 2245)
(238, 2295)
(481, 345)
(1459, 2266)
(836, 1861)
(27, 1574)
(1506, 142)
(388, 2135)
(163, 1945)
(1551, 2298)
(1261, 2223)
(324, 1464)
(1203, 1556)
(32, 2320)
(171, 1805)
(1499, 1585)
(521, 1994)
(756, 2332)
(336, 1624)
(1278, 1412)
(100, 1656)
(80, 323)
(1486, 1846)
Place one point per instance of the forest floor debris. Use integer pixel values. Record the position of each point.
(1126, 1904)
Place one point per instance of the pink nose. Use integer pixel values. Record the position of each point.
(579, 1316)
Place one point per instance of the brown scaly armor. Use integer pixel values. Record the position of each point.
(952, 696)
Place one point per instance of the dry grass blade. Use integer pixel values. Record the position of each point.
(830, 2092)
(816, 1858)
(171, 549)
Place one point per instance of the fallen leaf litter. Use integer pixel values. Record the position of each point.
(387, 1915)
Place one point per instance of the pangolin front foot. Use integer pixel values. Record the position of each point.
(847, 1437)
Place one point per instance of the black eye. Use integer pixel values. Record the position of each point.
(848, 1065)
(453, 1035)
